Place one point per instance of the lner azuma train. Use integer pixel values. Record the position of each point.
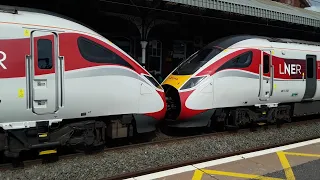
(62, 84)
(244, 79)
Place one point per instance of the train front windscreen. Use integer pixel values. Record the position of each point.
(196, 61)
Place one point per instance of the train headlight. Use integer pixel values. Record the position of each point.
(192, 82)
(153, 82)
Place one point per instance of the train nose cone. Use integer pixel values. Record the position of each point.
(172, 84)
(164, 110)
(159, 115)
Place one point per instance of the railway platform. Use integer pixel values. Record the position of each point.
(300, 161)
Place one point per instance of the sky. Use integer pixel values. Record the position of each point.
(315, 2)
(315, 5)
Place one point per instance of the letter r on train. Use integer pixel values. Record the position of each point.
(3, 57)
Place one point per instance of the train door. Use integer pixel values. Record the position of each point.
(266, 75)
(311, 77)
(45, 73)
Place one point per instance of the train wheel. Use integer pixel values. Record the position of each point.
(218, 120)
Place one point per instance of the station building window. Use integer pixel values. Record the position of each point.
(94, 52)
(155, 56)
(123, 43)
(45, 55)
(179, 52)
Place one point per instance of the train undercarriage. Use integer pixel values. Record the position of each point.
(234, 118)
(81, 134)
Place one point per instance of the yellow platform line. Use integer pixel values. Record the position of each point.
(199, 173)
(283, 160)
(302, 154)
(286, 166)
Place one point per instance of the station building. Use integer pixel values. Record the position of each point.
(162, 33)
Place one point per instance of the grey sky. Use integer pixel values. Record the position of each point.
(315, 2)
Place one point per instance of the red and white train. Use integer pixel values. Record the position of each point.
(62, 84)
(241, 79)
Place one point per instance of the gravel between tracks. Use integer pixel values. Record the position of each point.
(108, 164)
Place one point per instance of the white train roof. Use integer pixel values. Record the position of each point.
(43, 18)
(251, 41)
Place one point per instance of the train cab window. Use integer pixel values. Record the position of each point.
(196, 61)
(242, 61)
(96, 53)
(45, 55)
(266, 64)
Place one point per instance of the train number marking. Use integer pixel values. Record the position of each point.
(290, 69)
(4, 57)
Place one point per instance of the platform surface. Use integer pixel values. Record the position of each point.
(300, 161)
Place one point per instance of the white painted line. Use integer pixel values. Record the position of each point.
(222, 161)
(254, 154)
(218, 161)
(166, 173)
(282, 148)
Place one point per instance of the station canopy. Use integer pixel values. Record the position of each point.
(259, 8)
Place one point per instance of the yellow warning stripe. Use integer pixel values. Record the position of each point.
(176, 80)
(199, 173)
(43, 134)
(48, 152)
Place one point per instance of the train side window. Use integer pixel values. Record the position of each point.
(45, 55)
(266, 64)
(96, 53)
(241, 61)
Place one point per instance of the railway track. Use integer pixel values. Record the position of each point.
(49, 159)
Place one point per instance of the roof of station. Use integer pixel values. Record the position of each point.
(259, 8)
